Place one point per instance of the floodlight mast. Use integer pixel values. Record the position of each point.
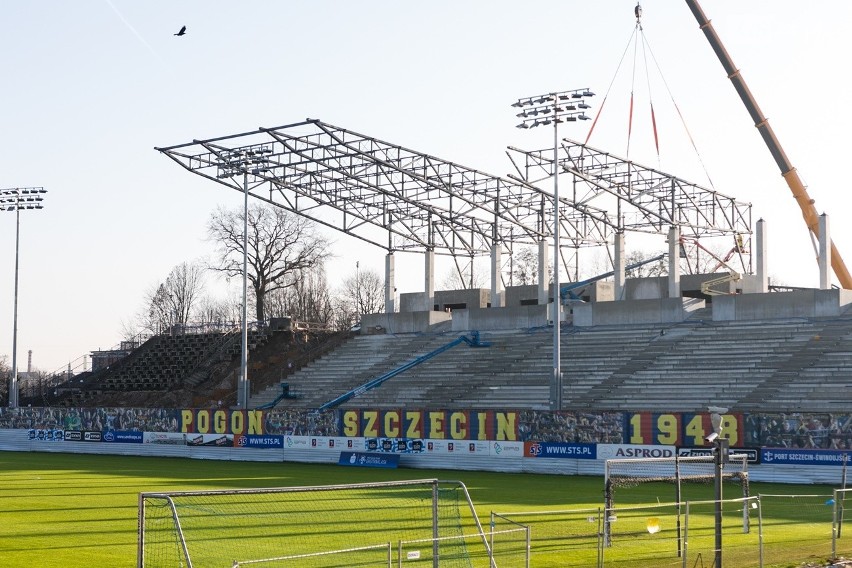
(232, 163)
(720, 458)
(15, 199)
(564, 106)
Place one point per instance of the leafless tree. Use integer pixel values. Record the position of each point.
(171, 302)
(212, 310)
(363, 293)
(525, 267)
(281, 247)
(651, 269)
(308, 299)
(464, 276)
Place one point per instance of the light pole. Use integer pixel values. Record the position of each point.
(16, 199)
(721, 451)
(542, 110)
(232, 163)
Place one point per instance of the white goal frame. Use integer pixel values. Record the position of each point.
(676, 470)
(169, 512)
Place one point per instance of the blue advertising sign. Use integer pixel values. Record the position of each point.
(123, 436)
(46, 435)
(361, 459)
(801, 457)
(255, 441)
(560, 450)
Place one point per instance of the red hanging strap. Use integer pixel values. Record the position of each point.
(654, 125)
(630, 124)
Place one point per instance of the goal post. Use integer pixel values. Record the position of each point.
(274, 526)
(676, 470)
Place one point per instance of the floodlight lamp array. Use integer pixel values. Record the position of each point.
(553, 108)
(17, 199)
(249, 160)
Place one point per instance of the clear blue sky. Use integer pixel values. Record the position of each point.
(91, 87)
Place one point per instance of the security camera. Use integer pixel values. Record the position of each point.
(710, 438)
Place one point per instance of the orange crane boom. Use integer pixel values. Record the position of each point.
(800, 193)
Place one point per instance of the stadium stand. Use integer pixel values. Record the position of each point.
(784, 364)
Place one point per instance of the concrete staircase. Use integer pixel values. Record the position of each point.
(772, 365)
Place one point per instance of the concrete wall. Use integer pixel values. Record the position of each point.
(472, 298)
(657, 287)
(516, 294)
(797, 303)
(418, 302)
(405, 322)
(660, 310)
(514, 317)
(646, 288)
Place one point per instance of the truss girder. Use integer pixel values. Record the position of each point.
(646, 199)
(357, 184)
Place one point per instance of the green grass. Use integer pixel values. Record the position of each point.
(70, 510)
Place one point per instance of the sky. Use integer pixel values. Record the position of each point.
(89, 88)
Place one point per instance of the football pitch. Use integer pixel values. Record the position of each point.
(72, 510)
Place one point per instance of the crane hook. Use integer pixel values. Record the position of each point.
(637, 11)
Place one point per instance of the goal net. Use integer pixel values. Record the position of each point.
(672, 472)
(333, 525)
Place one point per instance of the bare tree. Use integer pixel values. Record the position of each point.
(171, 302)
(281, 246)
(212, 310)
(648, 270)
(465, 276)
(363, 293)
(308, 299)
(525, 267)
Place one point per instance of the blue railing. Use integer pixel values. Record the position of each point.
(473, 341)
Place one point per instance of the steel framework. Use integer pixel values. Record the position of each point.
(403, 200)
(644, 199)
(388, 195)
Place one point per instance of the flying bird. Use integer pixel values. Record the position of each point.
(181, 32)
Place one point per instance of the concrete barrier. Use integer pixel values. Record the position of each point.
(660, 310)
(813, 303)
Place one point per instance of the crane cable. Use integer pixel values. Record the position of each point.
(634, 38)
(638, 12)
(679, 114)
(606, 95)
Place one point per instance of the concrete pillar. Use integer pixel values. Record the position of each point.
(390, 284)
(618, 267)
(760, 256)
(824, 253)
(674, 261)
(429, 277)
(543, 280)
(496, 280)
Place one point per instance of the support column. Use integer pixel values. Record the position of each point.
(618, 267)
(390, 284)
(760, 256)
(496, 281)
(674, 261)
(543, 280)
(824, 253)
(429, 277)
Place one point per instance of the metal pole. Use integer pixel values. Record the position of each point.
(13, 383)
(718, 461)
(243, 389)
(557, 300)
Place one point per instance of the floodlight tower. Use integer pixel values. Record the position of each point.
(543, 110)
(16, 199)
(720, 458)
(232, 163)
